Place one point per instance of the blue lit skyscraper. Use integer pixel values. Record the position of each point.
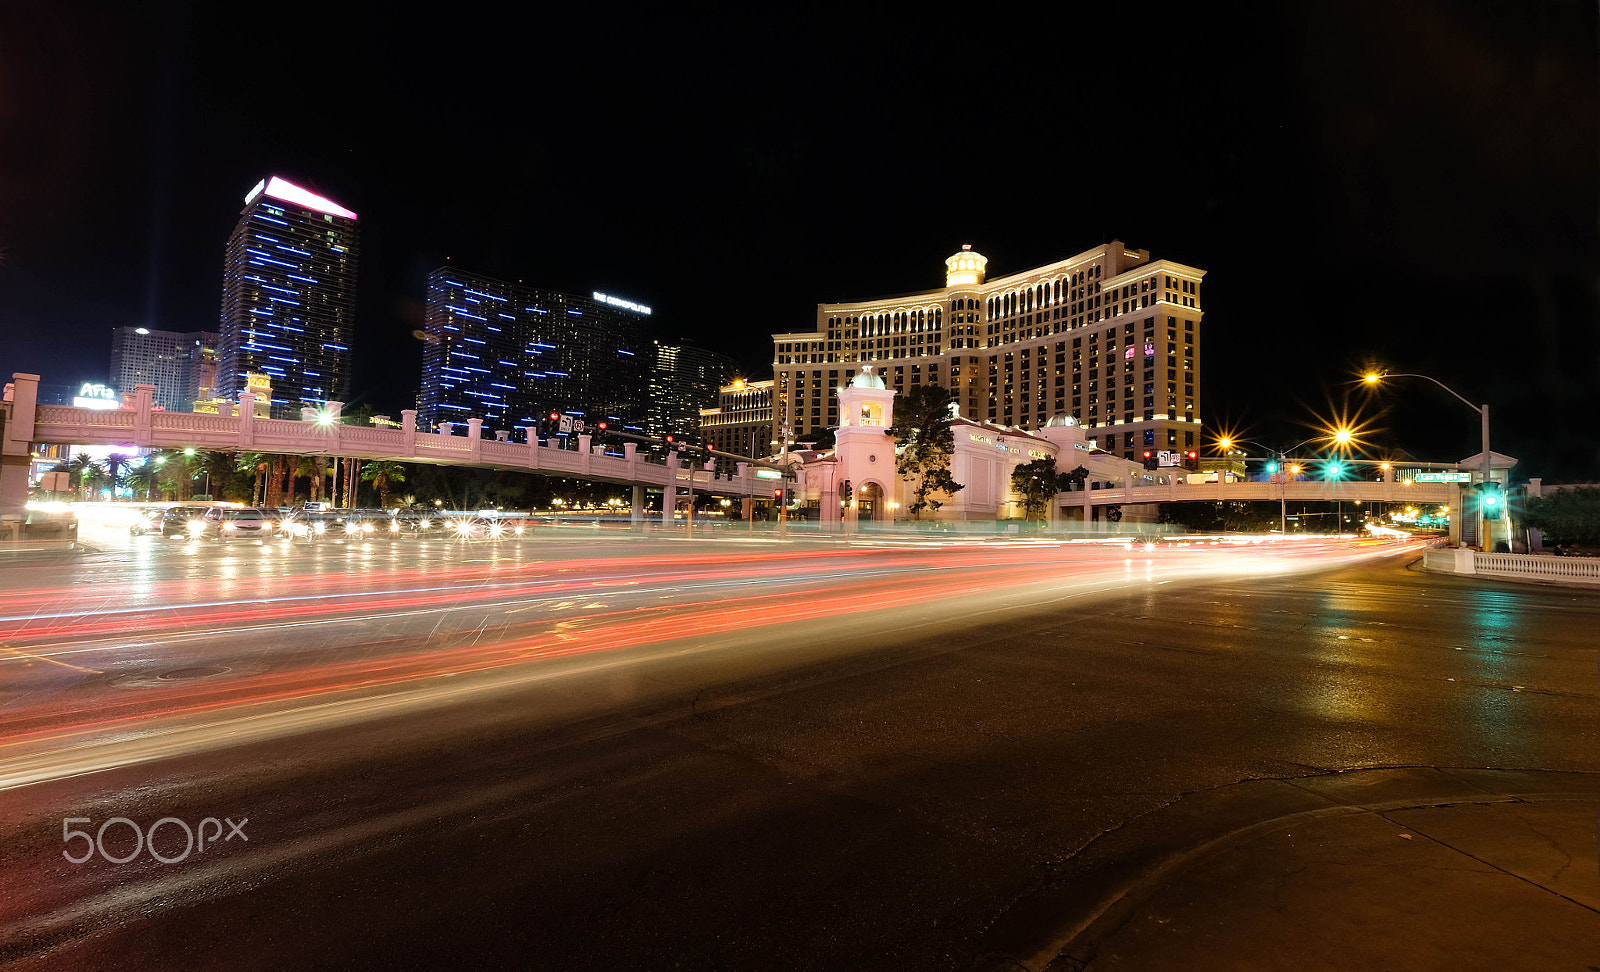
(508, 354)
(289, 297)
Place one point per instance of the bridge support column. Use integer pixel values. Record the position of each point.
(16, 454)
(636, 518)
(247, 422)
(475, 434)
(408, 428)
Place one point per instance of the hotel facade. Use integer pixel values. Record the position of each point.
(1109, 337)
(289, 297)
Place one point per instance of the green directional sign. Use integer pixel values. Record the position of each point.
(1449, 477)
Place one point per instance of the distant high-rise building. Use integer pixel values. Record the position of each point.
(685, 380)
(289, 297)
(742, 421)
(177, 363)
(507, 354)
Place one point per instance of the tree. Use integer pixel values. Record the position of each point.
(923, 445)
(255, 464)
(1566, 516)
(1038, 482)
(382, 474)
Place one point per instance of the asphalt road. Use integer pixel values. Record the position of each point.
(714, 755)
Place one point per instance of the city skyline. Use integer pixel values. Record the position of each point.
(1353, 204)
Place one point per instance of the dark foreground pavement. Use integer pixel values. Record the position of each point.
(1411, 868)
(1361, 768)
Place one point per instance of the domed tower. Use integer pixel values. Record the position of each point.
(964, 312)
(865, 454)
(968, 268)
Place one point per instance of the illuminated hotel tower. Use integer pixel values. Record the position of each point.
(289, 297)
(1109, 337)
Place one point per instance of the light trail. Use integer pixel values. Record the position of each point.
(470, 622)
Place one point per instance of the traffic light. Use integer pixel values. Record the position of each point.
(1191, 460)
(1491, 501)
(1335, 470)
(1150, 461)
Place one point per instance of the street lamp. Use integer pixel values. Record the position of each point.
(1283, 469)
(1374, 377)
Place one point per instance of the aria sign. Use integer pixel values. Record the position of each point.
(94, 395)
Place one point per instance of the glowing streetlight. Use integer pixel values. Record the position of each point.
(1374, 378)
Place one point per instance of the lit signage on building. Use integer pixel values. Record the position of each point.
(619, 302)
(1445, 477)
(95, 395)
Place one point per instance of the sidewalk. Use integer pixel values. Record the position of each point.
(1392, 869)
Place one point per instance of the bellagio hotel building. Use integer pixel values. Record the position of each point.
(1107, 336)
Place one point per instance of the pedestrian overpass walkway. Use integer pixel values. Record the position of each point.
(25, 422)
(1294, 491)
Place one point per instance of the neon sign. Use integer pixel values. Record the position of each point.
(620, 302)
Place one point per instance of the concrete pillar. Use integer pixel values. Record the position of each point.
(474, 436)
(16, 454)
(502, 436)
(335, 412)
(408, 430)
(247, 422)
(447, 428)
(585, 451)
(143, 404)
(636, 519)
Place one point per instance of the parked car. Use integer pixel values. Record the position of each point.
(235, 523)
(183, 521)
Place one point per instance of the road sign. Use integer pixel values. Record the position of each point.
(1167, 458)
(1445, 477)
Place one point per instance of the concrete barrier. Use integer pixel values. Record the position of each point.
(1583, 571)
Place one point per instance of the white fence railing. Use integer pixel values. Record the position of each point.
(1565, 570)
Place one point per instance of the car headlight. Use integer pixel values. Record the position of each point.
(196, 526)
(425, 524)
(366, 528)
(322, 528)
(394, 526)
(230, 526)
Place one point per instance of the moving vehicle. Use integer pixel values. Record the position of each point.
(146, 521)
(230, 523)
(182, 521)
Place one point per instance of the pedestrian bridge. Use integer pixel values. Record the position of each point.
(145, 426)
(1295, 491)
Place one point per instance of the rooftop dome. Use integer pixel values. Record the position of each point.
(866, 379)
(1061, 420)
(967, 268)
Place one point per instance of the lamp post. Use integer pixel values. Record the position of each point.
(1374, 377)
(1341, 437)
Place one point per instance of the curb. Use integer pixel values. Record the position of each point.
(1058, 923)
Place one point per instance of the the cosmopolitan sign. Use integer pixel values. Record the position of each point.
(619, 302)
(93, 395)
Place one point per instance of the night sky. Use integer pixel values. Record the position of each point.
(1406, 184)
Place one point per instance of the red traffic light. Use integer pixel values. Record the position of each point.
(555, 416)
(601, 426)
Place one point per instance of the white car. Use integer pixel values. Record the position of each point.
(230, 523)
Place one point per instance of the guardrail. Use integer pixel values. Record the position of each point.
(1509, 566)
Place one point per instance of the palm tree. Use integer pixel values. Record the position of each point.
(382, 474)
(256, 463)
(84, 470)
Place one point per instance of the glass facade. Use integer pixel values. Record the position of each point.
(178, 364)
(289, 297)
(507, 354)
